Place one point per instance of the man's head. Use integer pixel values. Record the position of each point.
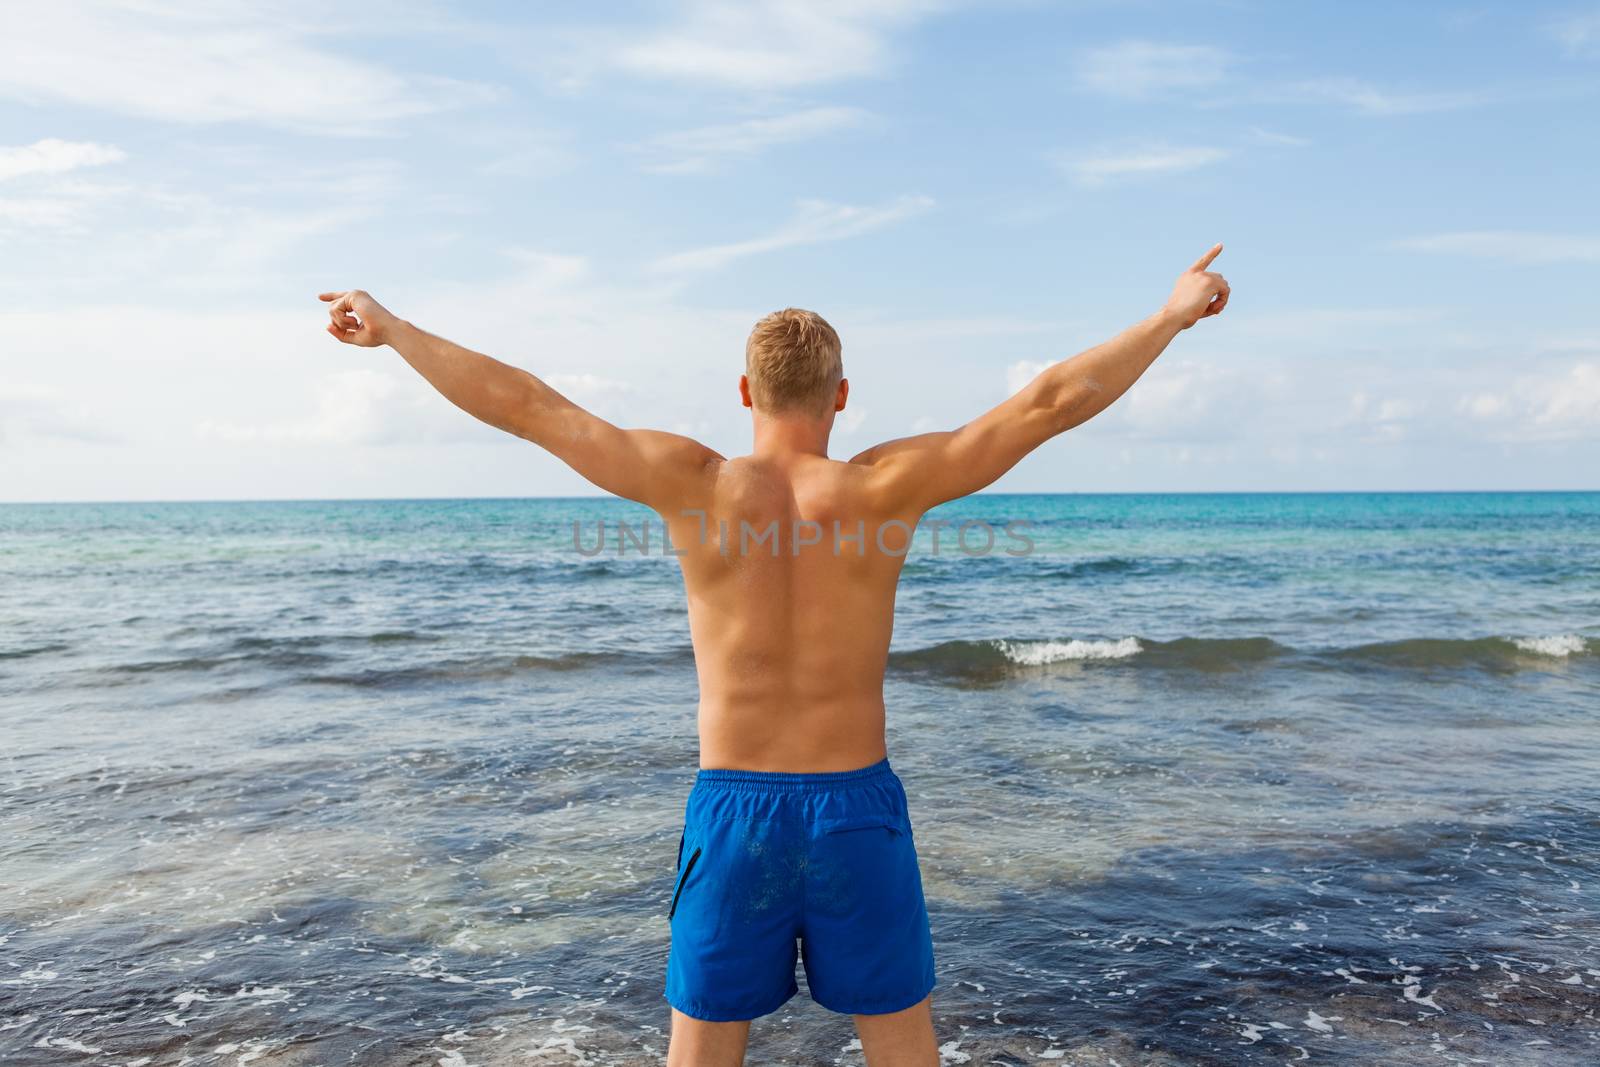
(792, 366)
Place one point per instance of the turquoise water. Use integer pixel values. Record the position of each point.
(1199, 779)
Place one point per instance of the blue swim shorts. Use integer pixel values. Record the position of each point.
(775, 866)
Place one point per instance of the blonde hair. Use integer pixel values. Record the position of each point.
(793, 360)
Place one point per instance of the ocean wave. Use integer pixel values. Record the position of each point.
(281, 652)
(484, 668)
(976, 659)
(1039, 653)
(998, 658)
(392, 637)
(302, 651)
(1554, 645)
(1196, 653)
(1100, 565)
(968, 659)
(1216, 653)
(1494, 653)
(31, 650)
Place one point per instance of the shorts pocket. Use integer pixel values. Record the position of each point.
(683, 877)
(891, 821)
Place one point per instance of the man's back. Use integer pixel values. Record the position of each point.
(797, 834)
(790, 561)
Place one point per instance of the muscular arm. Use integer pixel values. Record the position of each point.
(932, 468)
(649, 466)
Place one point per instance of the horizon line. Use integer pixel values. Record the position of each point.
(970, 496)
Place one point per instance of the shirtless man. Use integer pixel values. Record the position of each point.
(796, 832)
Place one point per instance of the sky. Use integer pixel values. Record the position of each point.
(610, 196)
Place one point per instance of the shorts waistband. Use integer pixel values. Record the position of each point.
(790, 781)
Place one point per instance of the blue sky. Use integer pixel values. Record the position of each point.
(609, 195)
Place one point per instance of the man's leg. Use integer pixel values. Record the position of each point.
(697, 1043)
(900, 1038)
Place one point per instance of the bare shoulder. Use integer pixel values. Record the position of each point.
(888, 452)
(891, 472)
(683, 472)
(872, 491)
(685, 453)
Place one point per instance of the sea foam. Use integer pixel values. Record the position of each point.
(1039, 653)
(1552, 645)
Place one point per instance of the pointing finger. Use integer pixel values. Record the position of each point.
(1205, 261)
(329, 296)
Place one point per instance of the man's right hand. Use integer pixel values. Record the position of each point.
(1200, 293)
(358, 319)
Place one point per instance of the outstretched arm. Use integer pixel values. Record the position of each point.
(932, 468)
(649, 466)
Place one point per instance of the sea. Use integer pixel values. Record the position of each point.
(1194, 779)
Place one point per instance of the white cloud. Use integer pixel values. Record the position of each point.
(48, 413)
(1482, 405)
(357, 407)
(596, 392)
(1579, 34)
(194, 62)
(850, 421)
(1571, 402)
(280, 409)
(351, 407)
(699, 428)
(67, 203)
(548, 268)
(1109, 166)
(1559, 406)
(1369, 99)
(1515, 246)
(1021, 373)
(815, 222)
(699, 150)
(42, 212)
(1186, 399)
(1380, 419)
(1179, 399)
(219, 235)
(53, 156)
(1273, 137)
(773, 44)
(1145, 68)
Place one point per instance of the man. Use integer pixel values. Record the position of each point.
(796, 830)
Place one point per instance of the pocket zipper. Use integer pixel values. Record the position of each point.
(894, 824)
(676, 893)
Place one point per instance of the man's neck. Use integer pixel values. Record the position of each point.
(788, 435)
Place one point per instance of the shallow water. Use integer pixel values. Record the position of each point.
(1202, 780)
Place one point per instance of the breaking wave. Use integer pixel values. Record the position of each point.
(1038, 653)
(994, 658)
(1494, 653)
